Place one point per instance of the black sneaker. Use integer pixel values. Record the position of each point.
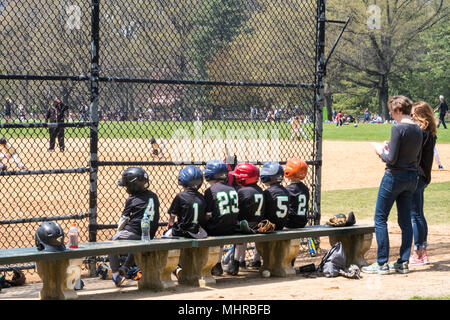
(242, 264)
(254, 264)
(217, 269)
(233, 268)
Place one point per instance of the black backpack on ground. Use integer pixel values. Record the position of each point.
(333, 261)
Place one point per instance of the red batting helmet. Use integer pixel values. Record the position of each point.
(246, 174)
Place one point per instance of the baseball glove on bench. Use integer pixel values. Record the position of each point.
(341, 220)
(265, 226)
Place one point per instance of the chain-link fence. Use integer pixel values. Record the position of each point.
(203, 78)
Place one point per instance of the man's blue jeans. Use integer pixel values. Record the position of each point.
(419, 224)
(399, 188)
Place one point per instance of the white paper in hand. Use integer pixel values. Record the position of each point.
(379, 147)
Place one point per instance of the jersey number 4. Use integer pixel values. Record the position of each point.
(228, 202)
(150, 210)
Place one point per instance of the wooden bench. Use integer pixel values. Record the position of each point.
(60, 270)
(159, 257)
(278, 249)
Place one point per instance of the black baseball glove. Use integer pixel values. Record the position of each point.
(18, 278)
(341, 220)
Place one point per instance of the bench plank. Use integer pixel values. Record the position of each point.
(22, 255)
(287, 234)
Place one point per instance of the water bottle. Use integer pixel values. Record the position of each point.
(145, 228)
(73, 236)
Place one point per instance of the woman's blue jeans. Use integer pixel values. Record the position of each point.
(399, 188)
(419, 224)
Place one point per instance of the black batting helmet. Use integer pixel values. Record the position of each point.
(50, 237)
(135, 179)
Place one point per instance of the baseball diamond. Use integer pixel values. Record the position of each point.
(199, 144)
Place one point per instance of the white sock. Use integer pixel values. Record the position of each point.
(436, 156)
(238, 251)
(220, 254)
(303, 133)
(256, 256)
(244, 249)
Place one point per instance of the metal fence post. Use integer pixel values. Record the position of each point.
(318, 108)
(95, 34)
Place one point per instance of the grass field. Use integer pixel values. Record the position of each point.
(369, 132)
(430, 298)
(362, 203)
(167, 129)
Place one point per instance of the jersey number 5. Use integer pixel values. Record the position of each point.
(225, 207)
(282, 204)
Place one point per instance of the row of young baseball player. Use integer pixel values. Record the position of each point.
(233, 203)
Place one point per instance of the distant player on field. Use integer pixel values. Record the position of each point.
(7, 152)
(157, 148)
(296, 128)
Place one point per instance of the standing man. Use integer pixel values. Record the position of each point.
(84, 113)
(366, 116)
(55, 113)
(7, 107)
(443, 108)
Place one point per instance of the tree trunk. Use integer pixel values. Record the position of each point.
(383, 96)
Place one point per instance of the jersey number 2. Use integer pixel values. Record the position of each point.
(301, 211)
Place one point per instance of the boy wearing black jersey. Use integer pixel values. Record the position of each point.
(141, 200)
(276, 200)
(296, 170)
(251, 206)
(276, 197)
(222, 205)
(189, 206)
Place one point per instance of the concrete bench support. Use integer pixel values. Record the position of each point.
(58, 278)
(355, 247)
(196, 264)
(277, 256)
(157, 267)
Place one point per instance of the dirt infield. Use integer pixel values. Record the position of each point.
(34, 196)
(346, 165)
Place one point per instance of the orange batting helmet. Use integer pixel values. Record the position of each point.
(295, 168)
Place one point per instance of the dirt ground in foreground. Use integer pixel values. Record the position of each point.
(347, 165)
